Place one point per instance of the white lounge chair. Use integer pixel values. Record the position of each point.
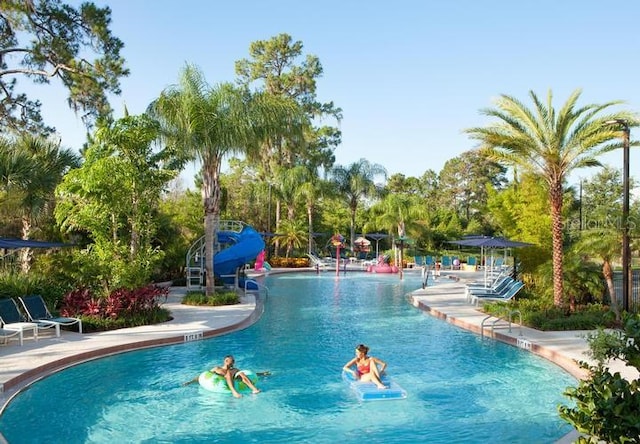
(37, 311)
(6, 334)
(317, 262)
(506, 295)
(13, 320)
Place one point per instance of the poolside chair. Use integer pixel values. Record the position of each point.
(317, 262)
(505, 296)
(37, 311)
(429, 261)
(5, 335)
(446, 262)
(496, 288)
(418, 261)
(13, 320)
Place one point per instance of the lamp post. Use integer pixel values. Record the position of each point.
(626, 252)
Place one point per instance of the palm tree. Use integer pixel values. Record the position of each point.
(292, 233)
(399, 212)
(356, 182)
(550, 144)
(30, 174)
(209, 123)
(604, 244)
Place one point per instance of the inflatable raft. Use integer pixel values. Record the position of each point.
(216, 383)
(367, 391)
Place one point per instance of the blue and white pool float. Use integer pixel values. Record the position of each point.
(367, 391)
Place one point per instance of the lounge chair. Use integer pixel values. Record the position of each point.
(37, 311)
(509, 293)
(446, 262)
(496, 287)
(6, 334)
(13, 320)
(418, 261)
(317, 262)
(428, 260)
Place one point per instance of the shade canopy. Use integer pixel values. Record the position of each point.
(13, 244)
(376, 236)
(490, 242)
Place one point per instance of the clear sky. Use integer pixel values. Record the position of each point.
(409, 75)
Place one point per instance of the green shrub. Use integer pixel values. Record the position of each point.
(13, 285)
(225, 297)
(155, 316)
(543, 315)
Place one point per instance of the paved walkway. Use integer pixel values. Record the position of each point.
(21, 365)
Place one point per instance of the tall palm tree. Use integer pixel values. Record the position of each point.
(354, 183)
(209, 123)
(550, 144)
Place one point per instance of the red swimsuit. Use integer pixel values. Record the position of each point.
(364, 369)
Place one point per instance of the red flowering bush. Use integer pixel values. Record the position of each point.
(125, 307)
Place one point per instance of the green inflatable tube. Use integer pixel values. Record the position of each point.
(216, 383)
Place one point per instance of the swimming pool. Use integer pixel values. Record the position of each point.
(460, 388)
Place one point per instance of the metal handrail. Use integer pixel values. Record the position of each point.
(195, 258)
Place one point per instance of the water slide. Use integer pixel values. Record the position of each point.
(243, 247)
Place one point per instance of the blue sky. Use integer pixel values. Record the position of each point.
(409, 75)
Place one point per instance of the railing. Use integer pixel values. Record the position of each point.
(259, 287)
(196, 255)
(507, 318)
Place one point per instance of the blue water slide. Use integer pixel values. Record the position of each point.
(243, 247)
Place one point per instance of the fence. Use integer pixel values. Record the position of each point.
(634, 303)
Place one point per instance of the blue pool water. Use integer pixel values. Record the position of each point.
(460, 388)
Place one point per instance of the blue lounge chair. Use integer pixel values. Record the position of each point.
(428, 260)
(446, 262)
(472, 261)
(13, 320)
(506, 295)
(419, 261)
(37, 311)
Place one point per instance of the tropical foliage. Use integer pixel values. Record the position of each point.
(606, 406)
(550, 143)
(48, 40)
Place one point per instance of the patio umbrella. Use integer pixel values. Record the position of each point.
(491, 243)
(377, 237)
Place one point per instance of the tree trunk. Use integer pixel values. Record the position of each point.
(607, 272)
(310, 221)
(26, 254)
(211, 198)
(353, 227)
(555, 199)
(276, 244)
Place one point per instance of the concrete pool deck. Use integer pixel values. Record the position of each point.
(21, 365)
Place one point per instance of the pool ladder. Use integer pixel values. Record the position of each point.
(507, 317)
